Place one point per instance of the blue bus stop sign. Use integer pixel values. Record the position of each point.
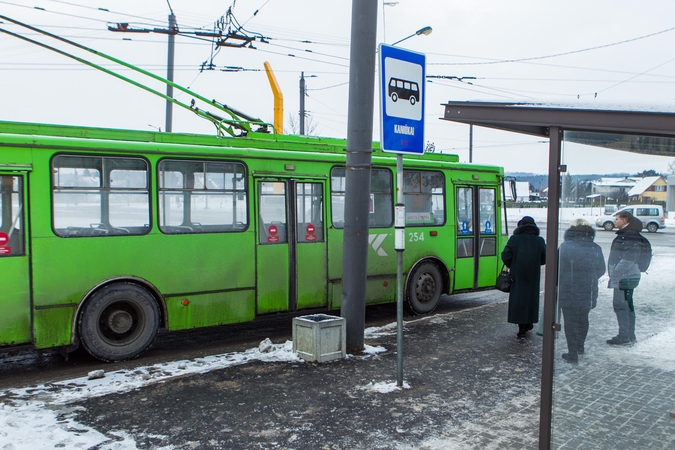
(402, 91)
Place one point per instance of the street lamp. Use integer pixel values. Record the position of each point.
(422, 31)
(384, 29)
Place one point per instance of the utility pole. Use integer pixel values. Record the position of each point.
(470, 143)
(302, 103)
(173, 30)
(358, 168)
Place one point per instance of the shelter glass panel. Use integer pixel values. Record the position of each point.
(613, 359)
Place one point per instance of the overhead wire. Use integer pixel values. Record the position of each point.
(571, 52)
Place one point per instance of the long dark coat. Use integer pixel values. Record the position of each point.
(524, 253)
(581, 263)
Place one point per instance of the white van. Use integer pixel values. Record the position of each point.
(652, 217)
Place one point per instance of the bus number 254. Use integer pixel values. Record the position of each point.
(414, 237)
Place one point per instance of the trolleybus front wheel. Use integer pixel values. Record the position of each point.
(119, 322)
(425, 287)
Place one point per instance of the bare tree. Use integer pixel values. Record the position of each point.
(671, 167)
(293, 125)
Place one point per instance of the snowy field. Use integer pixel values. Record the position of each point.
(569, 214)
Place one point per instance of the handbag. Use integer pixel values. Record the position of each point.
(628, 283)
(504, 279)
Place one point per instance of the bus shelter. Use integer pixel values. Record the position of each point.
(617, 396)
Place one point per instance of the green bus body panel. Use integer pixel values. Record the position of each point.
(70, 267)
(227, 277)
(205, 310)
(272, 278)
(15, 326)
(464, 266)
(311, 274)
(52, 327)
(487, 277)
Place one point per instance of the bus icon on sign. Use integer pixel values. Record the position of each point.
(403, 89)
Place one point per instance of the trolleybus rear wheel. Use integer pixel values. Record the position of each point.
(119, 322)
(425, 286)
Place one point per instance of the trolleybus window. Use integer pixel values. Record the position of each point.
(309, 212)
(100, 196)
(202, 197)
(381, 214)
(488, 243)
(464, 222)
(272, 212)
(12, 239)
(423, 195)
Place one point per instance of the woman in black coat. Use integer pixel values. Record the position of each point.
(581, 264)
(524, 253)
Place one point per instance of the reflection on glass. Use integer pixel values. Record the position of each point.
(272, 208)
(309, 212)
(381, 195)
(614, 388)
(465, 247)
(100, 196)
(488, 246)
(487, 211)
(13, 241)
(423, 196)
(202, 197)
(464, 211)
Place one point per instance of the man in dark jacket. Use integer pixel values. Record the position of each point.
(581, 264)
(624, 274)
(524, 253)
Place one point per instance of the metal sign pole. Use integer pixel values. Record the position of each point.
(399, 245)
(402, 76)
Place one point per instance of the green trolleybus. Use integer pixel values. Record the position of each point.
(106, 235)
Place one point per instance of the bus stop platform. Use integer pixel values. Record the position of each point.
(469, 383)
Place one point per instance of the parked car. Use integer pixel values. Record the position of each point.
(652, 217)
(610, 209)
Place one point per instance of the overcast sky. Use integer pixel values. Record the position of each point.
(600, 52)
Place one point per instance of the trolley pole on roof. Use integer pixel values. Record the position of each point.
(359, 158)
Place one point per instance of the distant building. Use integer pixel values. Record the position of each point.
(648, 190)
(522, 191)
(633, 189)
(670, 198)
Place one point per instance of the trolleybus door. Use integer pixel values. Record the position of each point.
(476, 257)
(15, 320)
(292, 254)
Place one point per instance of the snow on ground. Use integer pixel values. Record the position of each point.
(384, 387)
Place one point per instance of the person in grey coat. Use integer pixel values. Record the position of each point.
(580, 265)
(524, 253)
(624, 274)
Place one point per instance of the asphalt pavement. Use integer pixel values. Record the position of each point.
(459, 368)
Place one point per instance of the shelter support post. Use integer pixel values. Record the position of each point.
(550, 288)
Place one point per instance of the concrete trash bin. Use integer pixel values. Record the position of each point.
(319, 337)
